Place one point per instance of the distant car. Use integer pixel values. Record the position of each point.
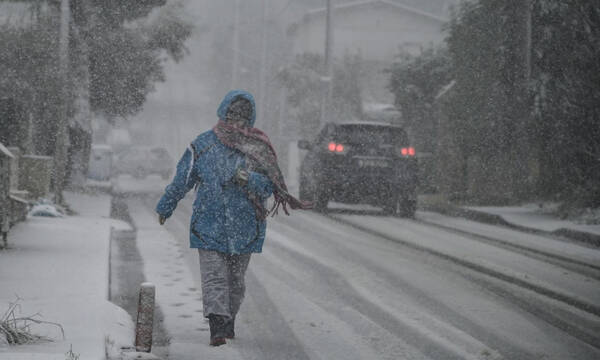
(140, 161)
(100, 162)
(360, 162)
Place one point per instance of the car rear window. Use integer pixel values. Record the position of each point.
(371, 134)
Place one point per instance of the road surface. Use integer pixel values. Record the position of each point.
(359, 285)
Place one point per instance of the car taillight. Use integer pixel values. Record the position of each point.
(336, 148)
(407, 151)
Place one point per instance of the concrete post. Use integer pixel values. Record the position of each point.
(145, 318)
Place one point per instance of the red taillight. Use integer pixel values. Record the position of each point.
(333, 147)
(407, 151)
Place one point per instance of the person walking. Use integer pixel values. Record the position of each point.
(233, 168)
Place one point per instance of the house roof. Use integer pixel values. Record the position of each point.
(16, 13)
(444, 90)
(4, 151)
(369, 3)
(368, 123)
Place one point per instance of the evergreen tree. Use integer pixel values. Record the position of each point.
(303, 81)
(119, 45)
(29, 78)
(415, 82)
(566, 76)
(126, 45)
(518, 125)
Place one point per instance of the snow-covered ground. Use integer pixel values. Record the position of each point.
(531, 216)
(351, 285)
(177, 293)
(127, 184)
(531, 241)
(58, 267)
(487, 256)
(324, 289)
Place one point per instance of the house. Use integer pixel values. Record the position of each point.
(5, 159)
(377, 29)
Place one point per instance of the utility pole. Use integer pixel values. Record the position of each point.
(263, 59)
(236, 40)
(522, 114)
(528, 30)
(60, 151)
(327, 78)
(328, 39)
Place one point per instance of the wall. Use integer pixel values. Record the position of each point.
(377, 32)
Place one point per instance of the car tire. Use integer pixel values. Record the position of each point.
(320, 200)
(319, 197)
(303, 191)
(314, 193)
(390, 207)
(407, 208)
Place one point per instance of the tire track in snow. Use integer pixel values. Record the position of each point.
(437, 332)
(316, 227)
(569, 263)
(582, 304)
(304, 228)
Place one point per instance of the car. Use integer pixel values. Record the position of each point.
(100, 164)
(141, 161)
(360, 162)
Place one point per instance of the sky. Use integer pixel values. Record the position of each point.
(185, 104)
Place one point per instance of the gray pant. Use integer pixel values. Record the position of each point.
(222, 282)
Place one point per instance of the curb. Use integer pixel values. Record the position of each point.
(134, 355)
(120, 211)
(582, 237)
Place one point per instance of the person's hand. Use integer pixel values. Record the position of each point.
(161, 219)
(241, 177)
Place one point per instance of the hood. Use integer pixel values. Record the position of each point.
(234, 95)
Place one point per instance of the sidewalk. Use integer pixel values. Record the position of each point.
(530, 216)
(167, 265)
(59, 268)
(527, 218)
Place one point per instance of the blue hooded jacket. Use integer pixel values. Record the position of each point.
(223, 218)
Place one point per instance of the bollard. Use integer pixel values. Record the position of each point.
(145, 317)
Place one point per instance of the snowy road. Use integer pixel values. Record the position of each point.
(360, 286)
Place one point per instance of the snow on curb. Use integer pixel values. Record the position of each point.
(59, 267)
(494, 216)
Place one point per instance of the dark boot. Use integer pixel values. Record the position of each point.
(229, 328)
(217, 329)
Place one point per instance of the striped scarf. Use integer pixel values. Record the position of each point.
(256, 145)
